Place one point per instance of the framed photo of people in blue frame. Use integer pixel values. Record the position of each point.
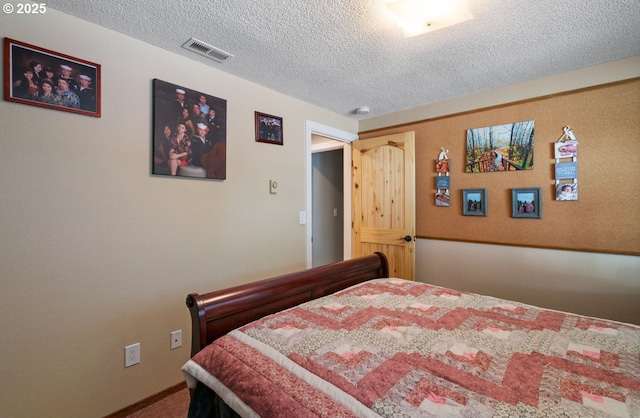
(40, 77)
(526, 203)
(474, 202)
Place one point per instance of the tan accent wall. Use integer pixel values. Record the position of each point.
(605, 218)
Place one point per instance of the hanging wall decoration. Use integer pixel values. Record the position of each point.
(269, 129)
(507, 147)
(40, 77)
(566, 156)
(526, 203)
(474, 202)
(189, 132)
(442, 180)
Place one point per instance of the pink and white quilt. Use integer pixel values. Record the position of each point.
(396, 348)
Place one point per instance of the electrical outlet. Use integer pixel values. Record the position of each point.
(176, 339)
(131, 355)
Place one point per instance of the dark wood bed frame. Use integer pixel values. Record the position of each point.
(216, 313)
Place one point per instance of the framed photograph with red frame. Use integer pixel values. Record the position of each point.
(40, 77)
(269, 129)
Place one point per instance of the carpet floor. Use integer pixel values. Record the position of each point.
(173, 406)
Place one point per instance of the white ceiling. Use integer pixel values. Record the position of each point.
(341, 54)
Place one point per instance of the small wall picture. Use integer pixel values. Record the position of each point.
(442, 199)
(442, 182)
(566, 170)
(526, 203)
(567, 191)
(269, 129)
(189, 132)
(567, 149)
(442, 166)
(39, 77)
(506, 147)
(475, 202)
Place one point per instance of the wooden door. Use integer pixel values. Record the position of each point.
(383, 188)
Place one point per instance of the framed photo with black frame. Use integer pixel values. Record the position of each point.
(40, 77)
(269, 129)
(474, 202)
(526, 203)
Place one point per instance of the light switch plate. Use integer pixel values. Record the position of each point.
(273, 186)
(176, 339)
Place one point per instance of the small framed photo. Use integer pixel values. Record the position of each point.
(474, 202)
(567, 191)
(269, 129)
(568, 149)
(526, 203)
(442, 198)
(39, 77)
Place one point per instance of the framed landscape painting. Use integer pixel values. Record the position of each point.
(507, 147)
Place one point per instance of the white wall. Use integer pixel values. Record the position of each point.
(96, 253)
(593, 284)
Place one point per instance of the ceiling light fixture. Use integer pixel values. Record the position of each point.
(416, 17)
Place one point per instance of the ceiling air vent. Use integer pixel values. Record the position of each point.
(206, 50)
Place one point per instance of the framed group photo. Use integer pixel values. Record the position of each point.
(526, 203)
(189, 132)
(474, 202)
(40, 77)
(269, 129)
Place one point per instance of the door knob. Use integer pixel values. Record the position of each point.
(407, 238)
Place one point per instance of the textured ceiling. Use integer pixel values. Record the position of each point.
(341, 54)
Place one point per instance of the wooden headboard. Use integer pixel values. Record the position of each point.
(216, 313)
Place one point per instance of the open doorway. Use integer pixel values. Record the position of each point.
(327, 204)
(321, 139)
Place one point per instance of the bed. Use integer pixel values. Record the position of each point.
(344, 340)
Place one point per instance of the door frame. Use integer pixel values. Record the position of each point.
(345, 139)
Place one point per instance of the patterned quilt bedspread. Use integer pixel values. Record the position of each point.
(397, 348)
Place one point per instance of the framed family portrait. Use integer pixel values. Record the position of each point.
(40, 77)
(269, 129)
(189, 132)
(526, 203)
(475, 202)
